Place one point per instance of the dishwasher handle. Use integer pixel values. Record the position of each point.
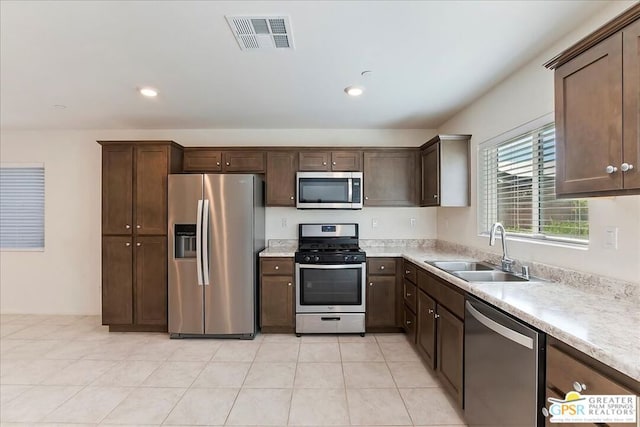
(509, 334)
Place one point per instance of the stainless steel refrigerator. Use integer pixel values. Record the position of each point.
(216, 230)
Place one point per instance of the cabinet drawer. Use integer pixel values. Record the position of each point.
(409, 294)
(563, 370)
(453, 300)
(244, 161)
(410, 272)
(276, 266)
(409, 324)
(202, 161)
(379, 266)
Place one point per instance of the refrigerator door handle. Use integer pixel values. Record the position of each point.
(205, 242)
(199, 243)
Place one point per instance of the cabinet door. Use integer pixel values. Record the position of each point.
(315, 160)
(151, 189)
(346, 161)
(631, 99)
(281, 178)
(389, 178)
(277, 303)
(202, 161)
(117, 283)
(589, 120)
(450, 344)
(151, 280)
(381, 301)
(243, 161)
(426, 340)
(430, 192)
(117, 189)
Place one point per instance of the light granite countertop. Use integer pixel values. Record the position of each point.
(601, 325)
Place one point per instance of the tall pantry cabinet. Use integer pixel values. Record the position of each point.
(134, 232)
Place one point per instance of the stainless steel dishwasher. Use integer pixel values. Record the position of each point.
(503, 369)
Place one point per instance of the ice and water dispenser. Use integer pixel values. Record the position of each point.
(185, 241)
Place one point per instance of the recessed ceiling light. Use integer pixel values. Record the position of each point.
(354, 90)
(149, 92)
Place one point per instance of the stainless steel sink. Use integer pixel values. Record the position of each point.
(489, 276)
(462, 265)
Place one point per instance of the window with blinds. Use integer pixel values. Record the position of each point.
(517, 188)
(21, 207)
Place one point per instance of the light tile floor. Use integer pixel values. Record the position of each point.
(69, 370)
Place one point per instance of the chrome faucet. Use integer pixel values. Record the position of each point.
(507, 263)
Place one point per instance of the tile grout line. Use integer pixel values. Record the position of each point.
(386, 362)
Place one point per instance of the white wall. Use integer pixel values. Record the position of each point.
(65, 278)
(524, 96)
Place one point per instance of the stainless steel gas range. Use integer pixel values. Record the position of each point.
(330, 279)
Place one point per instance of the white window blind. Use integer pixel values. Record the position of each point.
(517, 188)
(21, 207)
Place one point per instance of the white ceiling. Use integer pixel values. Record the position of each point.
(429, 59)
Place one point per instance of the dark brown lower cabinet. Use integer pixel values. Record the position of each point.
(117, 280)
(381, 302)
(151, 280)
(426, 341)
(450, 345)
(277, 304)
(134, 283)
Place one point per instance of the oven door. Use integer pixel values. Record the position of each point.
(336, 288)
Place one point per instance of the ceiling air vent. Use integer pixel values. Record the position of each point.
(261, 32)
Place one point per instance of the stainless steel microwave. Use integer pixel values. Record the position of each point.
(329, 190)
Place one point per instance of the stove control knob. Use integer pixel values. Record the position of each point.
(307, 259)
(346, 258)
(316, 258)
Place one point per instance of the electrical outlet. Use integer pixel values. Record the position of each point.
(412, 222)
(283, 223)
(611, 237)
(374, 223)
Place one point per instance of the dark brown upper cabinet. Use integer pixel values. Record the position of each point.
(390, 178)
(444, 165)
(281, 178)
(596, 111)
(117, 189)
(213, 160)
(330, 161)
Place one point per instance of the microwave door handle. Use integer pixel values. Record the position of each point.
(205, 242)
(199, 243)
(350, 185)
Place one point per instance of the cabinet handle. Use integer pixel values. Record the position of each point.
(291, 197)
(228, 164)
(217, 163)
(127, 226)
(324, 163)
(289, 284)
(370, 283)
(436, 315)
(407, 271)
(408, 322)
(127, 244)
(626, 167)
(333, 163)
(435, 196)
(408, 294)
(577, 386)
(138, 226)
(276, 268)
(366, 197)
(430, 311)
(382, 267)
(138, 244)
(545, 412)
(611, 169)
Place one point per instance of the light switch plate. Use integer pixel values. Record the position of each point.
(611, 237)
(374, 223)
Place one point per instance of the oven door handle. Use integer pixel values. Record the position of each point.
(330, 267)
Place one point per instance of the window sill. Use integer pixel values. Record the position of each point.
(544, 242)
